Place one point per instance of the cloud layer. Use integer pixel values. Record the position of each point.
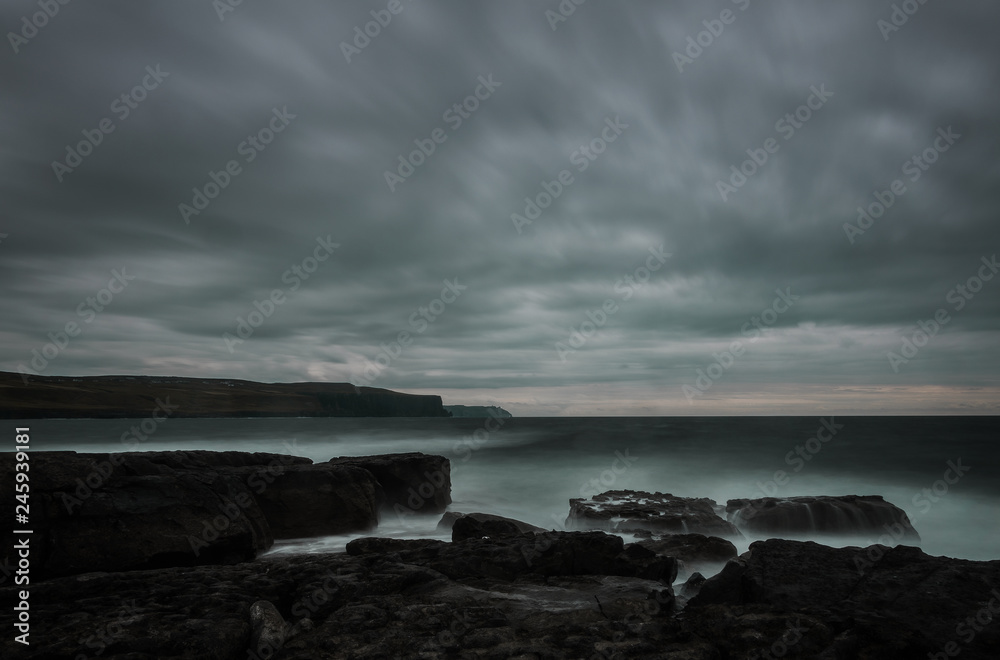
(412, 149)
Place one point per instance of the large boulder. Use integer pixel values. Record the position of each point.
(476, 525)
(848, 514)
(892, 602)
(630, 511)
(114, 512)
(412, 482)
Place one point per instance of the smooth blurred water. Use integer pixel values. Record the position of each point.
(531, 467)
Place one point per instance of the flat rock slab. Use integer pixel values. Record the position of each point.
(630, 511)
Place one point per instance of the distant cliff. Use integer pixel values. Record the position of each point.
(477, 411)
(137, 396)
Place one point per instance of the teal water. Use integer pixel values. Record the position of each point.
(528, 468)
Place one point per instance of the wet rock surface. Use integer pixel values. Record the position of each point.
(848, 514)
(629, 511)
(581, 596)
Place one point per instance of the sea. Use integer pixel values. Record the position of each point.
(943, 471)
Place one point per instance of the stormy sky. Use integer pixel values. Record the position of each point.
(564, 209)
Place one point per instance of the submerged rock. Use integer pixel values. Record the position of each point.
(630, 511)
(848, 514)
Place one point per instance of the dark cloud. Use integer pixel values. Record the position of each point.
(551, 93)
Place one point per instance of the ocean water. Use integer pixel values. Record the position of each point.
(528, 468)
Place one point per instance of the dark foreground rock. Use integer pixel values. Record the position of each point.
(579, 597)
(136, 510)
(874, 602)
(630, 510)
(848, 514)
(413, 482)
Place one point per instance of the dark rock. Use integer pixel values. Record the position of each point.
(694, 551)
(115, 512)
(782, 599)
(693, 585)
(268, 629)
(849, 514)
(413, 482)
(892, 602)
(384, 545)
(549, 554)
(315, 500)
(628, 510)
(477, 525)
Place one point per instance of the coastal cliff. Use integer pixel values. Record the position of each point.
(135, 396)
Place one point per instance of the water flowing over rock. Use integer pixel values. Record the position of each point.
(849, 514)
(628, 511)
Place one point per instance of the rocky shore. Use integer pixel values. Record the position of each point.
(116, 574)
